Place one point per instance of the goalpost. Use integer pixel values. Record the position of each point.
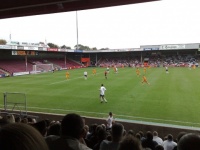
(15, 102)
(43, 67)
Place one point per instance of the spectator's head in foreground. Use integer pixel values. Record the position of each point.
(19, 136)
(129, 142)
(189, 141)
(72, 125)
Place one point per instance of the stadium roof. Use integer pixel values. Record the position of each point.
(18, 8)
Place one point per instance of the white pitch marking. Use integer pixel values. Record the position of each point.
(87, 112)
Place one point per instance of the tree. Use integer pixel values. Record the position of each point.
(104, 48)
(94, 48)
(82, 47)
(3, 42)
(52, 45)
(65, 47)
(87, 48)
(79, 46)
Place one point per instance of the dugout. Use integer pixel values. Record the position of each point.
(85, 61)
(146, 62)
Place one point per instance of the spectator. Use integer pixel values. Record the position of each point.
(148, 142)
(117, 134)
(104, 126)
(91, 137)
(24, 120)
(95, 139)
(190, 141)
(159, 147)
(178, 138)
(10, 118)
(169, 144)
(157, 138)
(101, 135)
(72, 130)
(41, 126)
(30, 120)
(19, 136)
(142, 135)
(92, 129)
(110, 121)
(138, 136)
(87, 130)
(18, 119)
(129, 142)
(7, 119)
(53, 132)
(131, 132)
(54, 129)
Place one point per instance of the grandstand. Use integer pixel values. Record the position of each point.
(24, 63)
(12, 66)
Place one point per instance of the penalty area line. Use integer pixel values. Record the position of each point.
(69, 79)
(64, 80)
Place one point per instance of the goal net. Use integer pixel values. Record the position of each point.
(43, 67)
(15, 102)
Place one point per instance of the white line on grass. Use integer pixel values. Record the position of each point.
(69, 80)
(133, 117)
(65, 80)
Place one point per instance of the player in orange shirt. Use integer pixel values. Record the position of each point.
(144, 80)
(138, 72)
(145, 69)
(94, 71)
(67, 75)
(105, 73)
(194, 67)
(114, 68)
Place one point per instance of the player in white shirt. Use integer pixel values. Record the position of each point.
(85, 75)
(107, 69)
(102, 94)
(190, 66)
(116, 70)
(110, 121)
(166, 69)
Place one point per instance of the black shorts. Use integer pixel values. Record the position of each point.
(85, 75)
(101, 95)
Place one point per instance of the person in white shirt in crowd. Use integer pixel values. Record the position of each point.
(110, 121)
(169, 144)
(157, 138)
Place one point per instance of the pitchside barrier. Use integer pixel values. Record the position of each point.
(15, 102)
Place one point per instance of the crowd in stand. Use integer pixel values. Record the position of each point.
(154, 61)
(73, 133)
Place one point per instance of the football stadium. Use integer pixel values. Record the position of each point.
(147, 90)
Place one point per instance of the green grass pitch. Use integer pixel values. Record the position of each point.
(172, 98)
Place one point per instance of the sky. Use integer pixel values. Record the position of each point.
(127, 26)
